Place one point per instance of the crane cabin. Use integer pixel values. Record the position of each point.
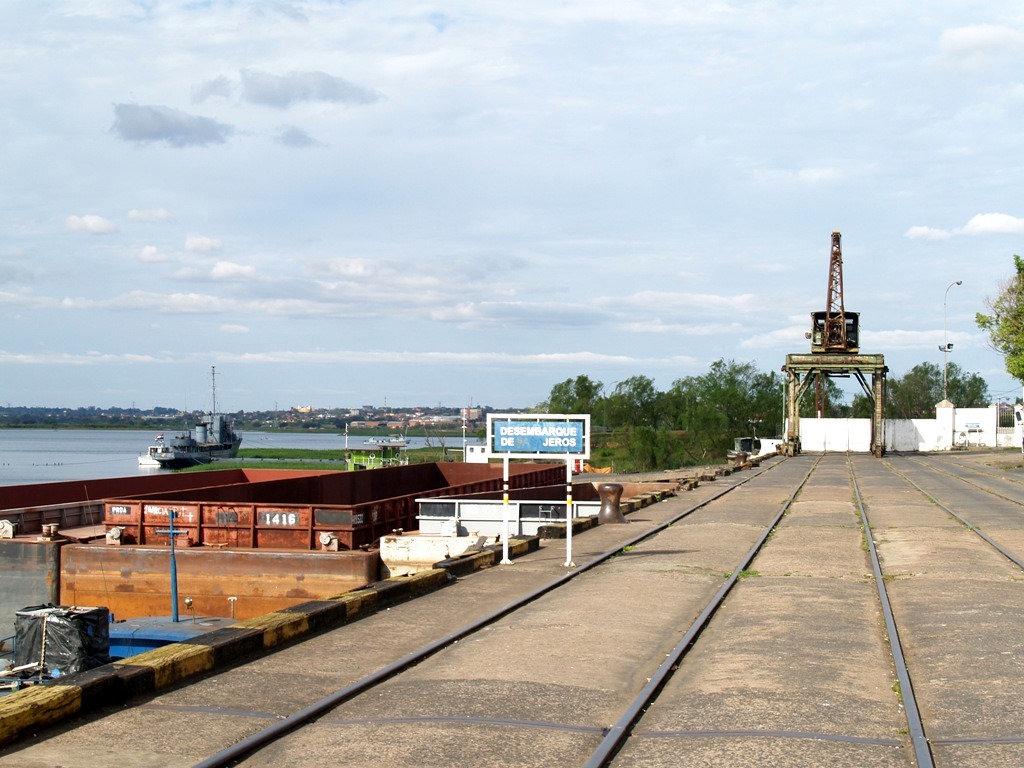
(835, 334)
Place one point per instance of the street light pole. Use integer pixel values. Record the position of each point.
(946, 346)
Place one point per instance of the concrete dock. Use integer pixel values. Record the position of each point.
(795, 668)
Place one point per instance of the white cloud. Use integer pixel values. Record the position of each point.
(171, 304)
(226, 270)
(993, 224)
(809, 176)
(290, 136)
(218, 87)
(688, 302)
(582, 358)
(980, 41)
(281, 91)
(926, 340)
(980, 224)
(153, 123)
(927, 233)
(150, 216)
(202, 244)
(150, 254)
(539, 178)
(819, 175)
(90, 224)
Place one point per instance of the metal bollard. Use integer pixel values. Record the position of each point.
(610, 512)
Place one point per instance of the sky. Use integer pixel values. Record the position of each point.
(464, 203)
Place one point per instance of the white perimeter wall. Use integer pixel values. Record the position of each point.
(951, 427)
(835, 435)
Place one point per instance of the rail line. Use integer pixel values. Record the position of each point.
(922, 751)
(618, 734)
(973, 527)
(819, 610)
(280, 729)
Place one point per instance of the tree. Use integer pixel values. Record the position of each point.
(579, 395)
(966, 390)
(835, 401)
(719, 406)
(1005, 324)
(635, 402)
(915, 394)
(650, 448)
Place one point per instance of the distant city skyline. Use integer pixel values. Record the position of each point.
(342, 203)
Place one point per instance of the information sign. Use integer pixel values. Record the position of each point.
(539, 436)
(531, 436)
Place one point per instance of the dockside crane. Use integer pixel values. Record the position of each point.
(834, 331)
(835, 352)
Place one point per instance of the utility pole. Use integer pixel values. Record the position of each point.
(946, 346)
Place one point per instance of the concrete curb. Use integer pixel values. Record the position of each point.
(32, 708)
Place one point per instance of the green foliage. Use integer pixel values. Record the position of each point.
(835, 402)
(579, 395)
(966, 390)
(650, 449)
(714, 409)
(1005, 324)
(915, 394)
(634, 403)
(636, 428)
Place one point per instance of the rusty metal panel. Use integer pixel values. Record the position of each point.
(157, 516)
(279, 513)
(134, 581)
(227, 525)
(284, 527)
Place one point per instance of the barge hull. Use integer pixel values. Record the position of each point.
(135, 581)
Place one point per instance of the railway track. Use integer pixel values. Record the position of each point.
(826, 610)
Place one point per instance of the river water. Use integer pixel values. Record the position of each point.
(56, 455)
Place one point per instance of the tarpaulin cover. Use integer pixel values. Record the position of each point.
(66, 639)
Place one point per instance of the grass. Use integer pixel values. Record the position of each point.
(309, 459)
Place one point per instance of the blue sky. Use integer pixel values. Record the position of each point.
(458, 203)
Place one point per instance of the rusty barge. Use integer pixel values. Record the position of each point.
(250, 541)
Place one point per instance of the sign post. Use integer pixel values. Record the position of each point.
(171, 531)
(505, 560)
(539, 436)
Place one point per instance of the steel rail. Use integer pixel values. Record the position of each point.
(922, 750)
(952, 459)
(619, 733)
(979, 486)
(1019, 562)
(281, 728)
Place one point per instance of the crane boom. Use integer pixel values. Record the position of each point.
(835, 317)
(835, 331)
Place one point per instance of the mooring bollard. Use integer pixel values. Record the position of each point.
(610, 512)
